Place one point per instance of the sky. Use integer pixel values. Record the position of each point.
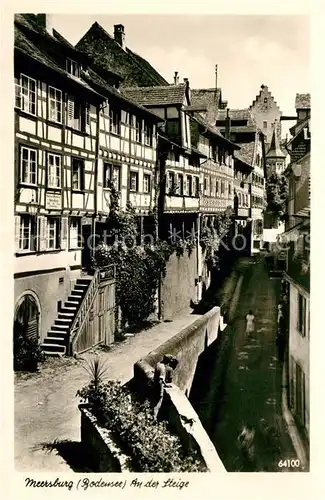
(249, 50)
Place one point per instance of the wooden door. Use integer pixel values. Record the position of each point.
(106, 316)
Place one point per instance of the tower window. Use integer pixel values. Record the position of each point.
(265, 100)
(265, 124)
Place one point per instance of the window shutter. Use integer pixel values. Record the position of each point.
(42, 233)
(64, 233)
(87, 113)
(17, 232)
(70, 111)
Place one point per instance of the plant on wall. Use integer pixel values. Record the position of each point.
(277, 192)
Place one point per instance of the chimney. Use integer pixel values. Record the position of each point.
(119, 35)
(227, 126)
(187, 91)
(216, 72)
(176, 78)
(45, 20)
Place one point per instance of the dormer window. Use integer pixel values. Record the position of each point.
(73, 68)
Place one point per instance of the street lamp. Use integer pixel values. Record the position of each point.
(33, 207)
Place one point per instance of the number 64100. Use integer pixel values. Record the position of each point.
(289, 463)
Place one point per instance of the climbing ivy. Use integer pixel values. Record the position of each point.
(277, 192)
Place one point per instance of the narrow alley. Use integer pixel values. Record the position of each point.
(251, 391)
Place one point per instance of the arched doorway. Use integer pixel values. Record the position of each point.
(27, 316)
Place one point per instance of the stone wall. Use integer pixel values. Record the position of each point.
(186, 346)
(178, 287)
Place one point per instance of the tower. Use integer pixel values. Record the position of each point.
(275, 158)
(265, 112)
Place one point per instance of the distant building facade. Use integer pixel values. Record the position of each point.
(265, 112)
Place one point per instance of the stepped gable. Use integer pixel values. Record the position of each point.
(108, 54)
(156, 96)
(302, 101)
(264, 90)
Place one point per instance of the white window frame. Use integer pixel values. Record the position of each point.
(115, 120)
(138, 130)
(81, 173)
(54, 170)
(56, 233)
(25, 97)
(112, 170)
(70, 63)
(146, 183)
(30, 235)
(55, 113)
(148, 134)
(134, 176)
(180, 184)
(31, 166)
(74, 233)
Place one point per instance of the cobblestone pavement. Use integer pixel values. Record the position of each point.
(252, 388)
(47, 419)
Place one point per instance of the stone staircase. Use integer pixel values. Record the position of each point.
(57, 339)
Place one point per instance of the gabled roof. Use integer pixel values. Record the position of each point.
(246, 152)
(207, 100)
(302, 101)
(213, 130)
(244, 162)
(235, 114)
(108, 54)
(156, 96)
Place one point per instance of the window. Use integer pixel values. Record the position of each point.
(217, 188)
(180, 184)
(229, 189)
(138, 130)
(26, 94)
(73, 68)
(55, 105)
(28, 165)
(264, 124)
(222, 187)
(134, 181)
(146, 183)
(77, 114)
(74, 233)
(171, 181)
(115, 120)
(173, 128)
(54, 170)
(112, 175)
(189, 185)
(148, 132)
(239, 199)
(27, 233)
(197, 186)
(265, 100)
(205, 185)
(78, 170)
(301, 324)
(53, 233)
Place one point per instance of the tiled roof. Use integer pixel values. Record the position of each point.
(96, 79)
(208, 99)
(110, 56)
(241, 158)
(237, 115)
(156, 96)
(240, 129)
(246, 152)
(212, 129)
(302, 101)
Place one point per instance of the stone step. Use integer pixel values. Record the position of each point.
(63, 321)
(64, 328)
(57, 333)
(77, 294)
(82, 286)
(54, 340)
(72, 301)
(53, 348)
(68, 309)
(66, 314)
